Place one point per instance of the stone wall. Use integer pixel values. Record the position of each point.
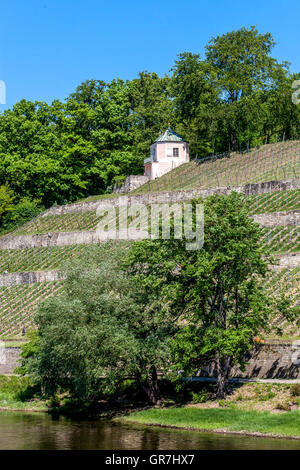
(173, 196)
(12, 279)
(266, 361)
(48, 239)
(288, 260)
(275, 219)
(132, 182)
(8, 359)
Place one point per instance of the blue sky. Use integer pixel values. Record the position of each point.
(48, 47)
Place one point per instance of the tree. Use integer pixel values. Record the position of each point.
(102, 329)
(216, 292)
(151, 109)
(6, 200)
(195, 102)
(243, 68)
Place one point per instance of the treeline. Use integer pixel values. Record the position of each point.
(236, 96)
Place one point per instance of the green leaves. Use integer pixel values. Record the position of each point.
(101, 330)
(235, 97)
(214, 295)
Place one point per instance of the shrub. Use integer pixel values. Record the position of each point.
(22, 212)
(268, 396)
(295, 390)
(28, 350)
(200, 397)
(18, 388)
(283, 406)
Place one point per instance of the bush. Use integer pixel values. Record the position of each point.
(28, 350)
(295, 390)
(268, 396)
(283, 406)
(17, 388)
(21, 213)
(200, 397)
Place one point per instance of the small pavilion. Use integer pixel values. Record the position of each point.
(166, 153)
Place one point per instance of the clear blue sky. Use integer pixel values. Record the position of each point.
(48, 47)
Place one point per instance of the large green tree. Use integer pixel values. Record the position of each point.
(243, 70)
(195, 102)
(103, 329)
(216, 293)
(152, 109)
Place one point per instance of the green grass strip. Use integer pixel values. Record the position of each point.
(283, 424)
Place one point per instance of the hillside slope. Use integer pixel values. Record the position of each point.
(277, 211)
(269, 162)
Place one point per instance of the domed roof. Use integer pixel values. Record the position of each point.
(170, 136)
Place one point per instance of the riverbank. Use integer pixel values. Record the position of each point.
(10, 403)
(227, 421)
(18, 394)
(252, 408)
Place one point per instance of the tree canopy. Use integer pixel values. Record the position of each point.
(104, 328)
(236, 96)
(217, 291)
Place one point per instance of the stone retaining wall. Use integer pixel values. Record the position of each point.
(174, 196)
(266, 361)
(8, 359)
(48, 239)
(275, 219)
(286, 260)
(12, 279)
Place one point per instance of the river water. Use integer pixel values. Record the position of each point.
(24, 431)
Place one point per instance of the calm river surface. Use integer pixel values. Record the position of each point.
(24, 431)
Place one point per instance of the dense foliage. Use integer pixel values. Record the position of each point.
(217, 290)
(164, 308)
(102, 330)
(236, 96)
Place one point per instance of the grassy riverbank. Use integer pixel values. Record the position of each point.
(254, 408)
(222, 420)
(249, 408)
(17, 394)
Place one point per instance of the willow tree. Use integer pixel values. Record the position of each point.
(102, 329)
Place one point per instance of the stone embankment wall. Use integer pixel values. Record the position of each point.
(174, 196)
(287, 260)
(274, 219)
(266, 361)
(8, 359)
(131, 183)
(48, 239)
(13, 279)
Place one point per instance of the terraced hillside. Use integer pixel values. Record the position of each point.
(18, 304)
(84, 220)
(269, 162)
(275, 206)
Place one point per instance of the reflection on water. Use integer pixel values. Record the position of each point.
(40, 431)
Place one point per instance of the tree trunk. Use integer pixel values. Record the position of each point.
(233, 141)
(151, 387)
(223, 370)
